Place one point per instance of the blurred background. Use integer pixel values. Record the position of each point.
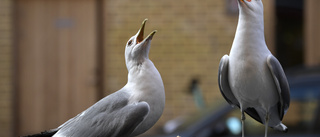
(58, 57)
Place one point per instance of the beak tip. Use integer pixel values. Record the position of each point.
(153, 32)
(145, 20)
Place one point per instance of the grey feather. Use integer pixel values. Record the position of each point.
(281, 83)
(224, 82)
(112, 117)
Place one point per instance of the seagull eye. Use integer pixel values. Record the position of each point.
(130, 43)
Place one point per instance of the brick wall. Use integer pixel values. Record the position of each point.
(191, 39)
(5, 68)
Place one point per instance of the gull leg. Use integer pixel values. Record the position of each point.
(243, 117)
(266, 125)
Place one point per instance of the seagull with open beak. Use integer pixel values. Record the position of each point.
(130, 111)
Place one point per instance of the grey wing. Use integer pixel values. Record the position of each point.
(112, 116)
(281, 82)
(223, 81)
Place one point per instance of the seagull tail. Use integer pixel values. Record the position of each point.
(48, 133)
(281, 127)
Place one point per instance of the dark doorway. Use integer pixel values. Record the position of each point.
(289, 32)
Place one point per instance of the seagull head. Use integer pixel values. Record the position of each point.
(137, 48)
(252, 7)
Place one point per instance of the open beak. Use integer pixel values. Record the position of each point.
(141, 32)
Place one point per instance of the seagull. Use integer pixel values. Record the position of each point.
(251, 78)
(130, 111)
